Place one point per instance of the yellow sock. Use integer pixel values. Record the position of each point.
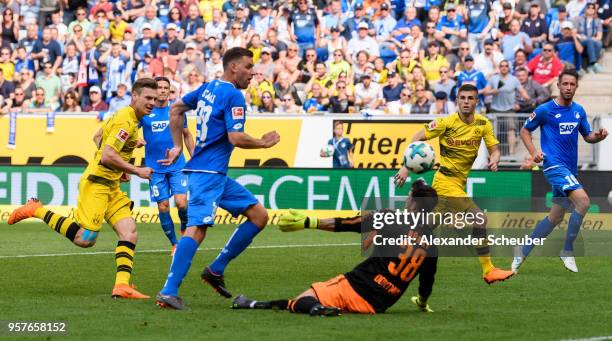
(485, 262)
(60, 224)
(124, 257)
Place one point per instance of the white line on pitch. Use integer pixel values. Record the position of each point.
(168, 250)
(595, 338)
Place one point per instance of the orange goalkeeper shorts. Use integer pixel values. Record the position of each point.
(338, 292)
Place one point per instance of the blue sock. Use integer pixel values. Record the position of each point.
(168, 226)
(573, 227)
(181, 263)
(542, 229)
(240, 239)
(182, 213)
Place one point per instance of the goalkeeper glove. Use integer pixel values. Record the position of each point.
(296, 220)
(421, 304)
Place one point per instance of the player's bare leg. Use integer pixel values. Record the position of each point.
(124, 258)
(581, 201)
(181, 205)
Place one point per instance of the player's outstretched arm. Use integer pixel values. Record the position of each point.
(528, 142)
(246, 141)
(494, 156)
(188, 138)
(177, 123)
(402, 174)
(111, 159)
(596, 136)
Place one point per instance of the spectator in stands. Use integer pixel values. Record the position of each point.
(71, 102)
(432, 63)
(217, 26)
(480, 19)
(504, 87)
(451, 28)
(235, 38)
(192, 82)
(318, 101)
(535, 26)
(7, 67)
(193, 21)
(162, 60)
(10, 29)
(349, 29)
(304, 27)
(288, 106)
(175, 45)
(520, 59)
(546, 66)
(416, 42)
(334, 18)
(402, 106)
(393, 89)
(360, 65)
(118, 68)
(117, 27)
(368, 94)
(82, 21)
(7, 88)
(150, 18)
(278, 48)
(290, 63)
(504, 17)
(263, 20)
(362, 42)
(203, 44)
(283, 87)
(576, 8)
(307, 65)
(22, 60)
(341, 99)
(38, 103)
(554, 30)
(384, 25)
(537, 93)
(242, 18)
(27, 83)
(441, 105)
(405, 24)
(515, 40)
(569, 47)
(95, 99)
(488, 61)
(338, 64)
(605, 14)
(120, 100)
(320, 77)
(445, 83)
(379, 74)
(259, 85)
(47, 49)
(404, 65)
(214, 65)
(51, 84)
(421, 104)
(267, 103)
(191, 60)
(147, 43)
(458, 62)
(101, 6)
(71, 61)
(19, 102)
(255, 47)
(590, 33)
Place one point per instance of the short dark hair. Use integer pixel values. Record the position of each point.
(467, 88)
(234, 54)
(428, 196)
(142, 83)
(570, 72)
(162, 79)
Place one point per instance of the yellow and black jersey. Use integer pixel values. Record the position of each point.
(459, 144)
(120, 132)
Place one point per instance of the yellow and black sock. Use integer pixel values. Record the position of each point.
(60, 224)
(124, 257)
(484, 256)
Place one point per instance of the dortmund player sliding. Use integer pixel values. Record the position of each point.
(375, 284)
(460, 135)
(100, 197)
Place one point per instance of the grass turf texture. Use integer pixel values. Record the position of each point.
(543, 302)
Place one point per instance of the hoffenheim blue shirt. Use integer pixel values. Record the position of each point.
(220, 109)
(559, 127)
(157, 135)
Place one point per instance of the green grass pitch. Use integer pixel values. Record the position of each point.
(543, 302)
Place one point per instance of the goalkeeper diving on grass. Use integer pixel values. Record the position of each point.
(375, 284)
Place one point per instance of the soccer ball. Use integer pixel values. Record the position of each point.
(419, 157)
(328, 150)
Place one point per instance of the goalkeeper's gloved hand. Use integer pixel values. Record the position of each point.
(296, 220)
(421, 304)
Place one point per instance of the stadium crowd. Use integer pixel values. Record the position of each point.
(340, 56)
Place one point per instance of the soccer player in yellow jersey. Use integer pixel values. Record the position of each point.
(460, 136)
(100, 197)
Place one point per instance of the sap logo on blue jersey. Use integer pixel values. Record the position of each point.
(159, 126)
(566, 128)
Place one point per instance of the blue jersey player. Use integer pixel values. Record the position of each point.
(560, 121)
(220, 110)
(166, 181)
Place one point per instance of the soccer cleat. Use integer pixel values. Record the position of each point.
(496, 275)
(24, 212)
(169, 302)
(569, 261)
(215, 281)
(242, 302)
(422, 307)
(127, 291)
(321, 310)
